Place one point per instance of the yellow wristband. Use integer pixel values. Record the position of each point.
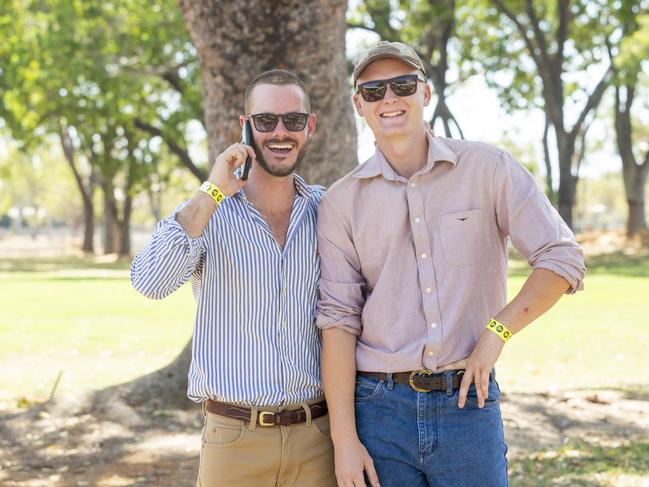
(213, 190)
(499, 329)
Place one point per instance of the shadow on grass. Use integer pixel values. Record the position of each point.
(580, 463)
(81, 448)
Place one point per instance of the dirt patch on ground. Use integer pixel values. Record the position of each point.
(61, 445)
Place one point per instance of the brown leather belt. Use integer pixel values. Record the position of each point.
(420, 380)
(266, 418)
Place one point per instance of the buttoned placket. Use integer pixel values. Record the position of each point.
(426, 270)
(281, 256)
(297, 216)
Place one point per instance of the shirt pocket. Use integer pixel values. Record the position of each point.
(462, 234)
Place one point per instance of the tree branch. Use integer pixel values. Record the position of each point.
(593, 101)
(182, 153)
(351, 25)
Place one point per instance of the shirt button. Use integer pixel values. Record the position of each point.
(412, 185)
(430, 354)
(423, 256)
(433, 325)
(429, 290)
(417, 220)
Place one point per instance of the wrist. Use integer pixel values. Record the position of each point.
(213, 191)
(498, 330)
(343, 437)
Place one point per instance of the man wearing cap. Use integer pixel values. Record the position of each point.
(413, 246)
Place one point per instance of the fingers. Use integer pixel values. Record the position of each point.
(467, 378)
(370, 471)
(457, 365)
(481, 380)
(236, 154)
(249, 151)
(484, 383)
(478, 389)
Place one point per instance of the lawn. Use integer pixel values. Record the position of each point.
(82, 320)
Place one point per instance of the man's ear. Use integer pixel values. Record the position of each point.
(357, 104)
(242, 119)
(428, 93)
(311, 123)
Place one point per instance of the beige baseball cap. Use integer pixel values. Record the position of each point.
(387, 49)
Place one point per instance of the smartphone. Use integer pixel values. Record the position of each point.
(246, 138)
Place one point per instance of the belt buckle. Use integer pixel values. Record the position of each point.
(262, 418)
(415, 373)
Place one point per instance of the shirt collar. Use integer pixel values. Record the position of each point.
(302, 189)
(377, 165)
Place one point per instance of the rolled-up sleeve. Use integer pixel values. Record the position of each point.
(342, 287)
(169, 260)
(537, 231)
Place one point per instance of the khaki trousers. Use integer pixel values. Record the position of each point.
(238, 454)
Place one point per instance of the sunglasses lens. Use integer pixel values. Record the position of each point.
(265, 122)
(404, 85)
(401, 86)
(373, 90)
(295, 121)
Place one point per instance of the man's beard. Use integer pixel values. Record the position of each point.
(281, 171)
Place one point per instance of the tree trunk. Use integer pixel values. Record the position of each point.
(635, 175)
(111, 229)
(236, 41)
(635, 178)
(125, 228)
(86, 188)
(88, 245)
(163, 389)
(239, 39)
(567, 181)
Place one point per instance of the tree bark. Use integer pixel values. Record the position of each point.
(239, 39)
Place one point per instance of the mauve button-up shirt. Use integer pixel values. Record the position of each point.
(415, 268)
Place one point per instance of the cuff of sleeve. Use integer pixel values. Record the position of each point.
(194, 244)
(576, 282)
(179, 236)
(350, 324)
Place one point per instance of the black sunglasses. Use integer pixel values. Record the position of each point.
(293, 121)
(401, 86)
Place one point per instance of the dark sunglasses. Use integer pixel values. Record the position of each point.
(266, 122)
(401, 86)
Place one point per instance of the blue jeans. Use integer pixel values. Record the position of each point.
(424, 439)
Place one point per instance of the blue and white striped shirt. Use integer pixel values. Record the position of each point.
(255, 340)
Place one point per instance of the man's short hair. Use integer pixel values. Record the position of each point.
(277, 77)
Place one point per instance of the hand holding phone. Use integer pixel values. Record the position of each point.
(246, 138)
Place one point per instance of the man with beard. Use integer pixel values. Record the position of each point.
(250, 250)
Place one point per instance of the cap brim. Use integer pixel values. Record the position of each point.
(359, 69)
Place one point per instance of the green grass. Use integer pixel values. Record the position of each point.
(595, 338)
(84, 320)
(584, 464)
